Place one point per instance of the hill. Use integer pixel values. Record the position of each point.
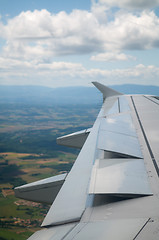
(67, 95)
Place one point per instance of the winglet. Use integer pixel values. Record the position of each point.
(107, 92)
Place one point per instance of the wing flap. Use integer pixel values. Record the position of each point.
(124, 177)
(117, 134)
(119, 143)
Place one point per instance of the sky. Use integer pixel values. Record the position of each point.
(72, 43)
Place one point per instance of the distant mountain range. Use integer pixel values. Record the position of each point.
(67, 95)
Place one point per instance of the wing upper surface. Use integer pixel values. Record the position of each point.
(112, 191)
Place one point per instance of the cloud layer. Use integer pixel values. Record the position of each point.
(33, 40)
(133, 4)
(41, 33)
(57, 74)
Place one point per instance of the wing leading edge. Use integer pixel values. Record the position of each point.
(112, 189)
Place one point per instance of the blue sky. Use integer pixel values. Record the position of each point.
(72, 43)
(13, 8)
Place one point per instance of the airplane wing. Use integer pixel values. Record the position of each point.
(112, 190)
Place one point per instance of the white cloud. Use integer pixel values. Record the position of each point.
(111, 56)
(43, 35)
(145, 72)
(28, 25)
(138, 32)
(55, 74)
(133, 4)
(39, 32)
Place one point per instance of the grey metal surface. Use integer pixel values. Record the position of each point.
(121, 124)
(117, 229)
(75, 140)
(70, 203)
(120, 177)
(114, 108)
(54, 233)
(149, 116)
(117, 134)
(107, 92)
(120, 143)
(38, 184)
(43, 191)
(150, 231)
(109, 107)
(123, 104)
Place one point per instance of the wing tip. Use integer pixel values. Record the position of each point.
(106, 91)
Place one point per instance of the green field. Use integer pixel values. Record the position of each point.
(17, 234)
